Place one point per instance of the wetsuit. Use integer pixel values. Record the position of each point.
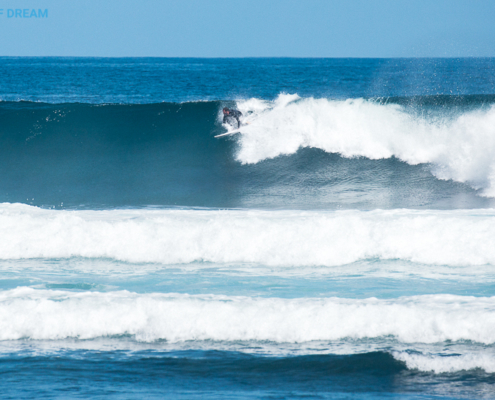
(232, 117)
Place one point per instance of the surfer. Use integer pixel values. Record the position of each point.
(231, 117)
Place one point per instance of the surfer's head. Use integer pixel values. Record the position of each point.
(226, 110)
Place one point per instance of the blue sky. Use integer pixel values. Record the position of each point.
(250, 28)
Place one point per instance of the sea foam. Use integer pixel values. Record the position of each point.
(461, 148)
(273, 238)
(52, 315)
(448, 363)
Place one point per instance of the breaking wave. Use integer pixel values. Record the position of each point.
(55, 315)
(458, 145)
(276, 238)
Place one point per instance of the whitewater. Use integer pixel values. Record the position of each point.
(37, 314)
(273, 238)
(458, 147)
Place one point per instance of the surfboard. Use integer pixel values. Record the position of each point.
(229, 133)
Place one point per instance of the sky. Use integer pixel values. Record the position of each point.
(248, 28)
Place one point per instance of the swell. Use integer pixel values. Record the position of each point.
(214, 373)
(316, 366)
(232, 375)
(260, 356)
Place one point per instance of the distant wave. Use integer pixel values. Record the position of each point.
(274, 238)
(459, 146)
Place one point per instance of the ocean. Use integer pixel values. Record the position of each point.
(341, 247)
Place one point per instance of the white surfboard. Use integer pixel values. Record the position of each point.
(229, 133)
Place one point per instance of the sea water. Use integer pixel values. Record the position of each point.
(342, 246)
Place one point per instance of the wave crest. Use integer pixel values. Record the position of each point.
(461, 147)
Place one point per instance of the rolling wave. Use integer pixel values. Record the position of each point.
(459, 147)
(273, 238)
(51, 315)
(338, 154)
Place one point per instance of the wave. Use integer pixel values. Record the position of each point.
(234, 375)
(109, 155)
(439, 358)
(459, 147)
(274, 238)
(54, 315)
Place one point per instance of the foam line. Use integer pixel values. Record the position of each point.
(47, 314)
(448, 363)
(273, 238)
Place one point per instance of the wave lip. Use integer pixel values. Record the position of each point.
(459, 148)
(52, 315)
(451, 363)
(273, 238)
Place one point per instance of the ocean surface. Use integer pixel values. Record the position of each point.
(341, 247)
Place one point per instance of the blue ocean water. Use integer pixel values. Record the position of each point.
(340, 247)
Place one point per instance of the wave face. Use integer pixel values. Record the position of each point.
(235, 375)
(296, 153)
(111, 155)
